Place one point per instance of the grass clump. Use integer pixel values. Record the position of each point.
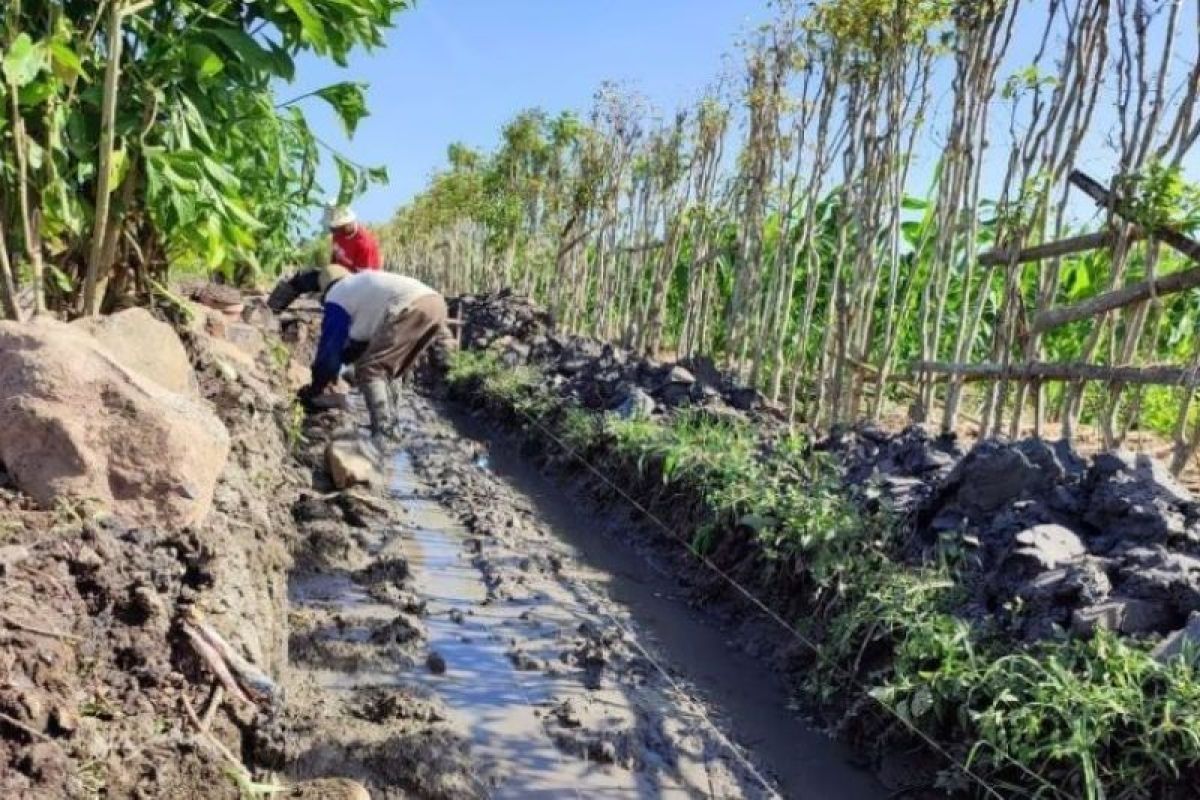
(517, 389)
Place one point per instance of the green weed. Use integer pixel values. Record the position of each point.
(294, 425)
(280, 355)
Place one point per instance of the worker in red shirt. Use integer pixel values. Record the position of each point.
(353, 247)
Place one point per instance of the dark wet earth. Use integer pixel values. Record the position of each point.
(563, 660)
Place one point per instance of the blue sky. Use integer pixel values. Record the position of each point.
(459, 69)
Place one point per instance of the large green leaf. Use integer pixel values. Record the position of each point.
(349, 100)
(206, 62)
(23, 61)
(250, 53)
(310, 22)
(348, 179)
(65, 61)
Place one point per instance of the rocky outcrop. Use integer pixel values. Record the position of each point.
(1049, 541)
(145, 345)
(1108, 542)
(80, 425)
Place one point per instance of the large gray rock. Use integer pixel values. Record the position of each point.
(992, 475)
(1085, 581)
(81, 426)
(679, 375)
(636, 404)
(1162, 575)
(1184, 640)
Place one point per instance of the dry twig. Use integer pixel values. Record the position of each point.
(212, 740)
(12, 623)
(214, 702)
(16, 723)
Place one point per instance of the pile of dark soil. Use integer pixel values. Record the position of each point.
(1055, 543)
(598, 375)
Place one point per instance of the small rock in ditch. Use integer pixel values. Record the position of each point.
(456, 616)
(393, 569)
(352, 462)
(603, 752)
(525, 662)
(400, 631)
(436, 663)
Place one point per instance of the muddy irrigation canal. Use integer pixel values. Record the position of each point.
(557, 659)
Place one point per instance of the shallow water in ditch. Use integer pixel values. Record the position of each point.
(495, 704)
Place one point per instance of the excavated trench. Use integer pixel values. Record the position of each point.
(749, 697)
(557, 660)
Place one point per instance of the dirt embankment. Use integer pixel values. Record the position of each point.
(96, 674)
(1047, 544)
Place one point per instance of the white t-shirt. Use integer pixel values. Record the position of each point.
(368, 296)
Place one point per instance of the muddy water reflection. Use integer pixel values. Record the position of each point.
(494, 704)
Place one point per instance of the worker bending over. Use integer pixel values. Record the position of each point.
(380, 322)
(352, 246)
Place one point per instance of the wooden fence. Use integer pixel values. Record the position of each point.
(1123, 230)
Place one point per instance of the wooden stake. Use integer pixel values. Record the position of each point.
(1159, 375)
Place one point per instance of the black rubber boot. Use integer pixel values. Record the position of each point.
(379, 409)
